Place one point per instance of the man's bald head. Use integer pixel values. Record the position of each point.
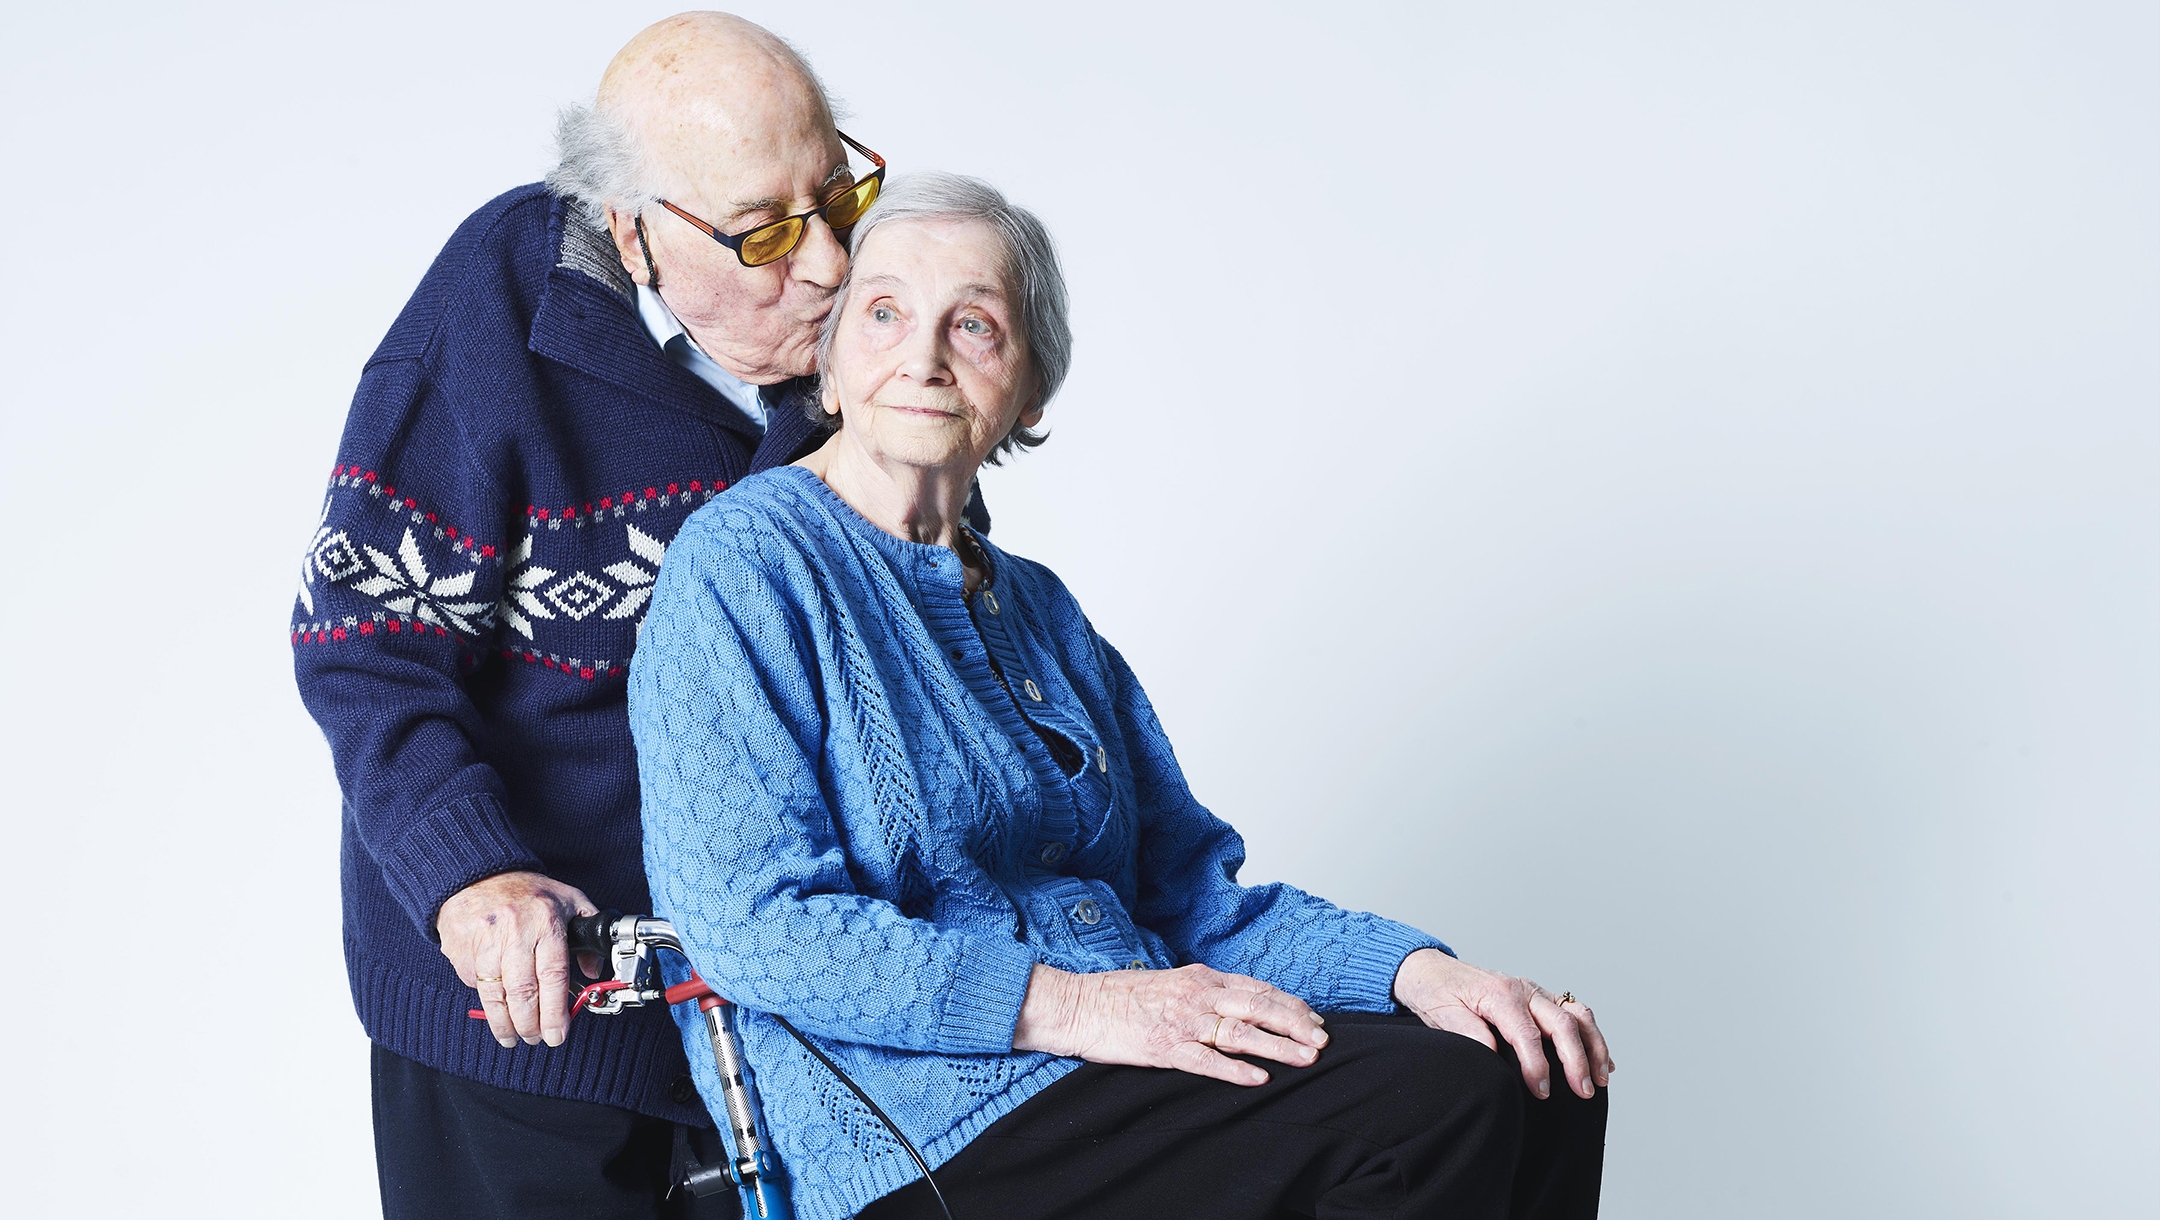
(683, 100)
(703, 85)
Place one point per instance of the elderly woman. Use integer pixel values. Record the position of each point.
(898, 792)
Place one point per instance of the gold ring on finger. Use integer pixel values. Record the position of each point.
(496, 979)
(1566, 998)
(1217, 1031)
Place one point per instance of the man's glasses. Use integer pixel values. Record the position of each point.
(771, 242)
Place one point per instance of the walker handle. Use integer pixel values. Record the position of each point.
(593, 933)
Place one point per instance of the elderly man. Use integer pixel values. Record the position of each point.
(586, 363)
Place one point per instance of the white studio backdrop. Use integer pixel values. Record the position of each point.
(1661, 495)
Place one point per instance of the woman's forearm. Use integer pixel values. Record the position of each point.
(1047, 1014)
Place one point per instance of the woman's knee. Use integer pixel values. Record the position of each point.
(1426, 1078)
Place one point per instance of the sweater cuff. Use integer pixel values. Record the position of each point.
(1367, 983)
(449, 849)
(989, 983)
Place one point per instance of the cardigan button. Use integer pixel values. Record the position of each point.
(682, 1090)
(1088, 912)
(1138, 963)
(1033, 691)
(990, 601)
(1052, 854)
(1102, 760)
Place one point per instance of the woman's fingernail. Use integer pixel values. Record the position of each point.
(1320, 1039)
(507, 1042)
(1544, 1090)
(1317, 1019)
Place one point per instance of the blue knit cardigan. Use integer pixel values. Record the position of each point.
(852, 826)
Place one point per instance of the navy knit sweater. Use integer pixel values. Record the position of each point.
(517, 458)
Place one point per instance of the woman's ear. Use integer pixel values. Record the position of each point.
(829, 395)
(1033, 413)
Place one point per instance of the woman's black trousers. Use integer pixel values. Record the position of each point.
(1395, 1120)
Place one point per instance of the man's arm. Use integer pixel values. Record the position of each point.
(397, 600)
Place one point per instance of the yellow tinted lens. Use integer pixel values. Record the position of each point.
(761, 246)
(848, 206)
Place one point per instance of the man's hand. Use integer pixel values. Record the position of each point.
(1458, 997)
(1177, 1019)
(505, 936)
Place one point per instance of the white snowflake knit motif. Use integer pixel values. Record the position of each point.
(637, 581)
(413, 590)
(520, 596)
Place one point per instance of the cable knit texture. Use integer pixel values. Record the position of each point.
(852, 826)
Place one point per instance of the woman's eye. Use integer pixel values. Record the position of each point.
(881, 313)
(975, 326)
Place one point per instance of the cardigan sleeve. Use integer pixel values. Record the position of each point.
(741, 846)
(395, 603)
(1189, 895)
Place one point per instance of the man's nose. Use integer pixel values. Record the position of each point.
(819, 258)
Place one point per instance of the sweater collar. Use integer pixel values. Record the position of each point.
(587, 319)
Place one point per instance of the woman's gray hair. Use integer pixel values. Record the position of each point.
(1031, 273)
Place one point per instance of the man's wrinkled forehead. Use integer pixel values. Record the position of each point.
(763, 156)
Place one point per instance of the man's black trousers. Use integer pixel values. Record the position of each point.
(447, 1148)
(1395, 1120)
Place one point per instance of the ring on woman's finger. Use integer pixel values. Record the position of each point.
(1566, 998)
(1217, 1031)
(496, 979)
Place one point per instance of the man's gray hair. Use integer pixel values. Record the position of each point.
(1032, 274)
(600, 164)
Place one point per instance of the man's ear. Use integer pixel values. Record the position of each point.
(624, 230)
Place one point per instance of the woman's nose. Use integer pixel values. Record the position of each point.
(923, 356)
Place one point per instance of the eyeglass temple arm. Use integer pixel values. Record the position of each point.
(702, 227)
(851, 143)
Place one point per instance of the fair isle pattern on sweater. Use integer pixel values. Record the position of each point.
(413, 588)
(852, 826)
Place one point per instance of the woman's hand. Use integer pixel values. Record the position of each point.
(1458, 997)
(1181, 1019)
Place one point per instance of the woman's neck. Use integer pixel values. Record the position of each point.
(917, 503)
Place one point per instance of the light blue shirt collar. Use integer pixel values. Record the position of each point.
(668, 332)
